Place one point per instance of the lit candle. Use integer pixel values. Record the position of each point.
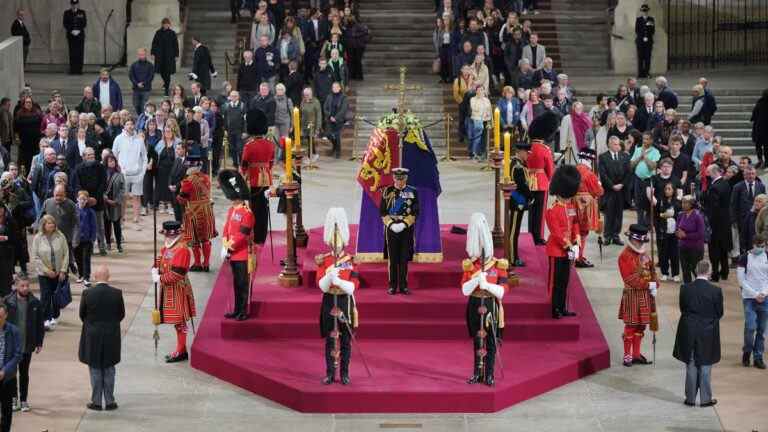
(288, 160)
(496, 129)
(297, 128)
(507, 155)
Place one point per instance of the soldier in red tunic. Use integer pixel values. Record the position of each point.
(177, 302)
(484, 282)
(256, 166)
(236, 240)
(541, 168)
(199, 223)
(337, 278)
(638, 299)
(563, 241)
(588, 210)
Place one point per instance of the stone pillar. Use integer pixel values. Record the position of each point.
(11, 68)
(146, 16)
(623, 51)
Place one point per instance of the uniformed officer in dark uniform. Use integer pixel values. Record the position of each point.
(399, 209)
(645, 27)
(520, 199)
(74, 23)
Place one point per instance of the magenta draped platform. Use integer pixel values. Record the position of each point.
(416, 346)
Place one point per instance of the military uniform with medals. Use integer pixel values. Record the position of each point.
(399, 209)
(519, 202)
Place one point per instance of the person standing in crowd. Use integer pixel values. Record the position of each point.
(752, 273)
(6, 125)
(141, 74)
(742, 200)
(10, 356)
(50, 255)
(283, 114)
(202, 65)
(563, 241)
(509, 106)
(613, 167)
(171, 274)
(25, 312)
(101, 310)
(19, 28)
(311, 119)
(264, 102)
(666, 209)
(534, 52)
(87, 231)
(267, 59)
(108, 91)
(165, 52)
(131, 155)
(234, 123)
(335, 110)
(64, 210)
(759, 121)
(178, 171)
(91, 176)
(114, 193)
(643, 164)
(399, 209)
(8, 247)
(478, 123)
(697, 343)
(666, 94)
(75, 22)
(357, 36)
(441, 41)
(89, 104)
(717, 206)
(645, 28)
(26, 124)
(248, 78)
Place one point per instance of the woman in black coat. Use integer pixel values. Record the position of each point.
(26, 123)
(760, 128)
(166, 158)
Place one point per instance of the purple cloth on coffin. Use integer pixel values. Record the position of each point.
(370, 238)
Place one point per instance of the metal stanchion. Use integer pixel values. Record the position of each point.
(447, 157)
(311, 157)
(225, 144)
(354, 137)
(489, 165)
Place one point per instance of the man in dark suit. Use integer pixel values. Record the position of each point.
(18, 28)
(697, 343)
(10, 358)
(643, 120)
(335, 109)
(265, 102)
(202, 65)
(717, 207)
(613, 168)
(666, 94)
(742, 199)
(247, 77)
(645, 27)
(318, 31)
(75, 22)
(178, 171)
(101, 310)
(195, 96)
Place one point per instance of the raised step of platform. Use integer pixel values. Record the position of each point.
(416, 346)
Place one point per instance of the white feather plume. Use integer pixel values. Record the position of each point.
(479, 233)
(337, 217)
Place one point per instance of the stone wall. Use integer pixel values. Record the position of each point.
(623, 49)
(49, 42)
(11, 68)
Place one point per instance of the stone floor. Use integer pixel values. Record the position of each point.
(154, 395)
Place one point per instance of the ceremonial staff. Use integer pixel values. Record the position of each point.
(156, 318)
(654, 325)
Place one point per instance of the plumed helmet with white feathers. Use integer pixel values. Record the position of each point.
(336, 230)
(479, 240)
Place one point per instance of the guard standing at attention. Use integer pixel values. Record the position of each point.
(587, 206)
(75, 22)
(541, 167)
(645, 27)
(520, 199)
(337, 278)
(236, 240)
(256, 166)
(484, 283)
(399, 209)
(199, 222)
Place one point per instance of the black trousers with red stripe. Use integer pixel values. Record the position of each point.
(559, 273)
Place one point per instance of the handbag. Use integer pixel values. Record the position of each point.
(62, 297)
(436, 65)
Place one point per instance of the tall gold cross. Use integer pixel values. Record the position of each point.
(402, 88)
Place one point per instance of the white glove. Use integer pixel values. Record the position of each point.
(268, 194)
(573, 253)
(75, 32)
(193, 75)
(155, 275)
(652, 287)
(397, 227)
(224, 253)
(483, 281)
(215, 74)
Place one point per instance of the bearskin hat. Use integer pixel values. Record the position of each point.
(544, 126)
(565, 182)
(233, 185)
(257, 122)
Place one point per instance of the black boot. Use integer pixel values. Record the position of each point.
(329, 378)
(745, 359)
(475, 378)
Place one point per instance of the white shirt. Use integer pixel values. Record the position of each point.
(81, 147)
(104, 93)
(753, 278)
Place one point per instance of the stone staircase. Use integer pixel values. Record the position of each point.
(401, 35)
(210, 21)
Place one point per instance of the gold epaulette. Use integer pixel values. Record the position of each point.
(321, 257)
(502, 263)
(467, 265)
